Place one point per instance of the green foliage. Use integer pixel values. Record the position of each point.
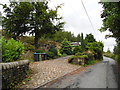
(26, 39)
(71, 58)
(57, 36)
(78, 38)
(66, 47)
(35, 18)
(85, 57)
(28, 55)
(117, 52)
(96, 48)
(108, 51)
(109, 54)
(90, 38)
(78, 54)
(82, 42)
(40, 51)
(59, 54)
(111, 20)
(11, 50)
(77, 49)
(90, 62)
(54, 50)
(50, 55)
(90, 55)
(29, 47)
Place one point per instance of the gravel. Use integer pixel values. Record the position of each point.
(48, 70)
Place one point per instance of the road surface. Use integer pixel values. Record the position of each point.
(100, 75)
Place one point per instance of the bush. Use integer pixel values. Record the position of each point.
(29, 47)
(71, 58)
(66, 48)
(11, 50)
(54, 50)
(83, 57)
(117, 57)
(59, 54)
(50, 55)
(40, 51)
(78, 54)
(90, 62)
(75, 58)
(97, 48)
(77, 49)
(109, 54)
(90, 55)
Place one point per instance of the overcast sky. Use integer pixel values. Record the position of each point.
(77, 21)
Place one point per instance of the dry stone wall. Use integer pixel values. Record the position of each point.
(13, 73)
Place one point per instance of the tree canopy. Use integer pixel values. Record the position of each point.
(111, 18)
(90, 38)
(111, 22)
(31, 17)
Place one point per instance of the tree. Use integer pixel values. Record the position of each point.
(59, 36)
(66, 47)
(15, 22)
(108, 51)
(82, 42)
(96, 48)
(78, 38)
(31, 17)
(77, 49)
(0, 19)
(111, 20)
(90, 38)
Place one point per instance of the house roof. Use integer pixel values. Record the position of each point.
(76, 43)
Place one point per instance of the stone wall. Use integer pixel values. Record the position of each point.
(13, 73)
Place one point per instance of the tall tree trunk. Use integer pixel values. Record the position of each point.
(36, 40)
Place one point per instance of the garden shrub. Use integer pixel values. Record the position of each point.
(59, 54)
(54, 50)
(40, 51)
(75, 58)
(11, 50)
(90, 62)
(78, 54)
(29, 47)
(66, 47)
(50, 55)
(77, 49)
(90, 55)
(71, 58)
(97, 48)
(83, 57)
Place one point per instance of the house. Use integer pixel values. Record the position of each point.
(76, 43)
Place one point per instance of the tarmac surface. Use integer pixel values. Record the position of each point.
(100, 75)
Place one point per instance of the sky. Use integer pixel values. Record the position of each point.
(76, 20)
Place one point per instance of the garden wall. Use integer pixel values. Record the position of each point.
(14, 72)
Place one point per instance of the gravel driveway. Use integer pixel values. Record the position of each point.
(45, 71)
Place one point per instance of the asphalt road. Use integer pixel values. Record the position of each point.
(100, 75)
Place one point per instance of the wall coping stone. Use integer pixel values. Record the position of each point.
(13, 64)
